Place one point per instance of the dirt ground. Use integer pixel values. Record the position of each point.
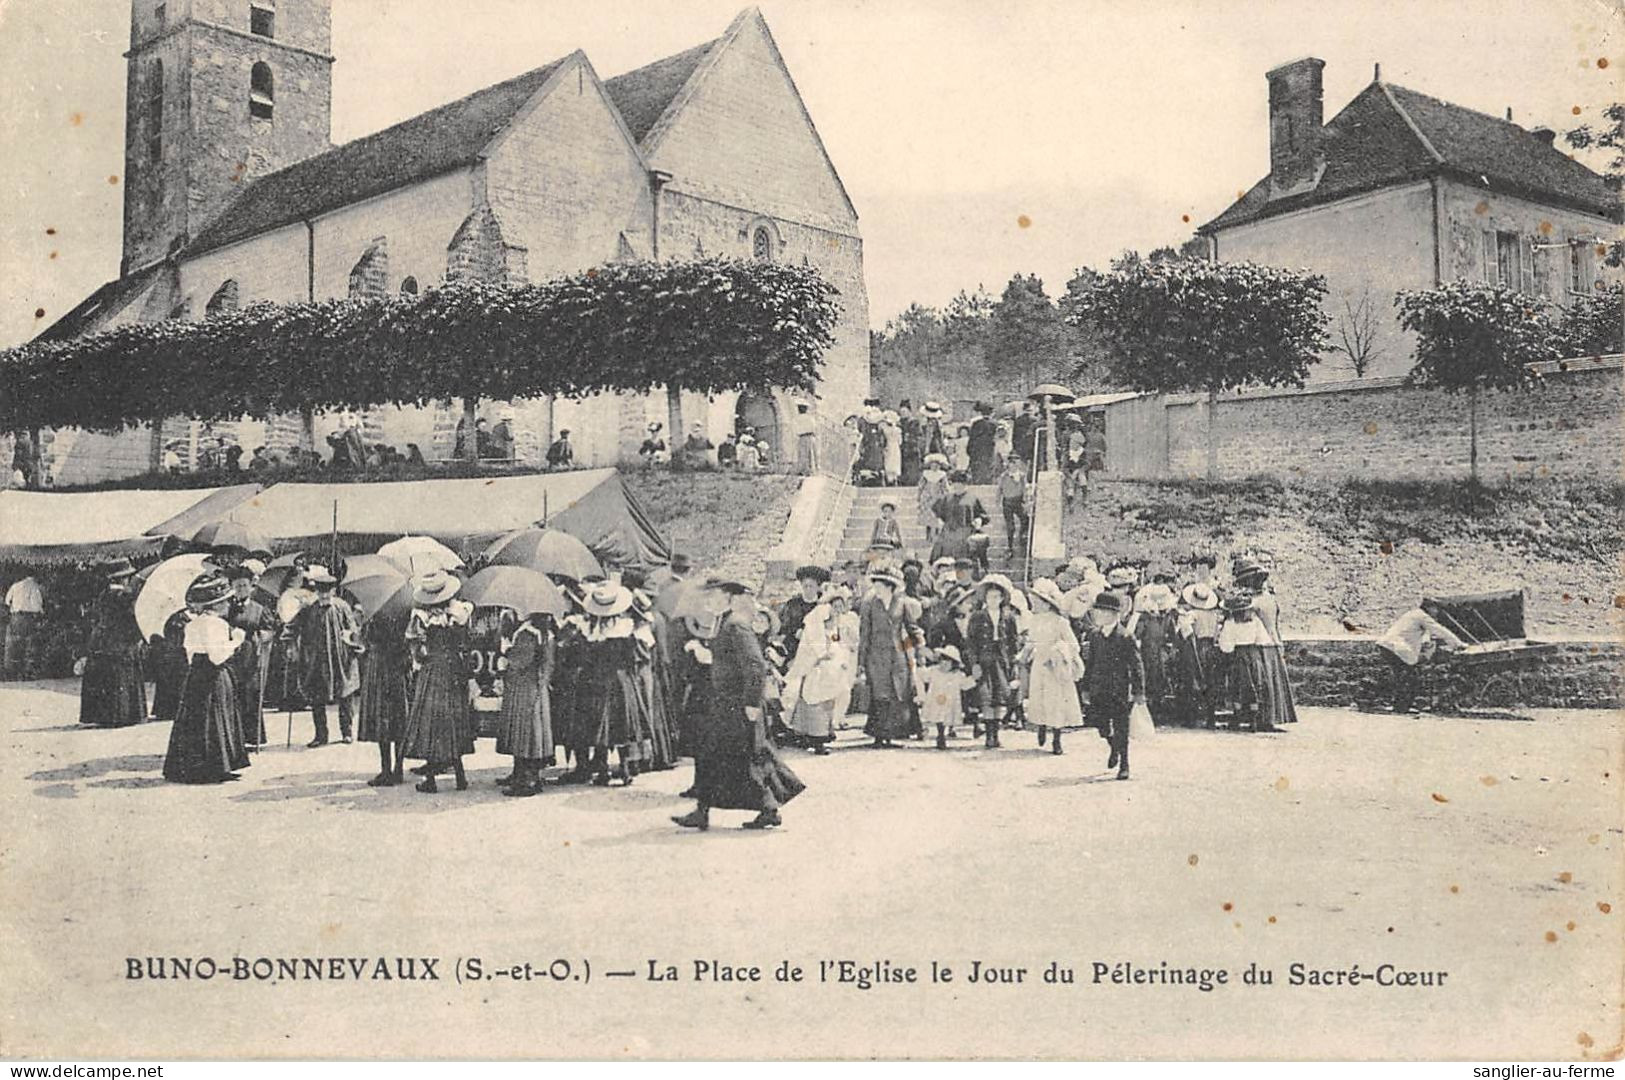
(1490, 850)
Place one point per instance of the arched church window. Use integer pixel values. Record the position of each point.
(761, 245)
(261, 92)
(155, 111)
(262, 18)
(409, 287)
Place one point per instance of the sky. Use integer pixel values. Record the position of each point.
(977, 139)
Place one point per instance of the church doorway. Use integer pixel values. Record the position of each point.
(760, 411)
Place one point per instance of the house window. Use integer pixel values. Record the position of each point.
(761, 245)
(261, 92)
(1581, 271)
(1506, 259)
(155, 112)
(262, 21)
(409, 287)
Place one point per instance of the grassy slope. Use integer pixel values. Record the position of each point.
(725, 522)
(1361, 553)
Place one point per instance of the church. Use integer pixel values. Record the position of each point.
(234, 194)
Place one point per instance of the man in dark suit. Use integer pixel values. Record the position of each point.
(984, 434)
(1114, 677)
(913, 443)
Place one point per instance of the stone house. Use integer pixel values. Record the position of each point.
(234, 195)
(1400, 190)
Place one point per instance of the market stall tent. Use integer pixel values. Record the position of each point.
(43, 528)
(591, 504)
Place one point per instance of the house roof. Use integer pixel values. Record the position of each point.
(1391, 135)
(111, 297)
(427, 145)
(644, 94)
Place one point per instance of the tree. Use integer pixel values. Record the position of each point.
(1472, 337)
(1025, 333)
(1359, 332)
(1604, 139)
(1196, 325)
(707, 326)
(1089, 356)
(1594, 325)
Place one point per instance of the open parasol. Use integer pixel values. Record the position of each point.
(1053, 391)
(164, 592)
(379, 585)
(279, 573)
(525, 591)
(547, 550)
(420, 555)
(229, 535)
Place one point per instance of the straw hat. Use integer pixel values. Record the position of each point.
(887, 576)
(1121, 576)
(317, 574)
(890, 417)
(939, 460)
(949, 652)
(1200, 597)
(997, 581)
(208, 590)
(1046, 590)
(606, 599)
(1154, 598)
(435, 587)
(933, 410)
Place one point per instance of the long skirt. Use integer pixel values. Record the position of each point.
(525, 726)
(657, 695)
(206, 741)
(889, 718)
(248, 672)
(114, 691)
(1247, 684)
(383, 697)
(169, 679)
(813, 721)
(1278, 701)
(1052, 701)
(1197, 678)
(615, 716)
(439, 728)
(742, 770)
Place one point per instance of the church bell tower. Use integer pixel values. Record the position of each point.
(219, 92)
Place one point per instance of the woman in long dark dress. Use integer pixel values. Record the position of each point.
(1276, 703)
(611, 705)
(439, 730)
(206, 742)
(114, 691)
(525, 727)
(736, 766)
(169, 667)
(654, 676)
(385, 663)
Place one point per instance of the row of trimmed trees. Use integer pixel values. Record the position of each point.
(709, 326)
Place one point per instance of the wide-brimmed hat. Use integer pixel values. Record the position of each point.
(606, 599)
(435, 587)
(255, 566)
(317, 574)
(890, 416)
(1046, 590)
(208, 590)
(656, 426)
(1120, 576)
(950, 652)
(1235, 605)
(1199, 596)
(872, 413)
(888, 576)
(933, 409)
(939, 460)
(812, 573)
(997, 581)
(1154, 598)
(119, 569)
(1083, 564)
(833, 592)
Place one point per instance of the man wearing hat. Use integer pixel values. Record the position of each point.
(663, 577)
(114, 690)
(736, 766)
(932, 440)
(561, 454)
(329, 639)
(1113, 677)
(886, 644)
(253, 657)
(912, 430)
(984, 437)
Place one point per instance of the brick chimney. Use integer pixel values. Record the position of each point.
(1296, 114)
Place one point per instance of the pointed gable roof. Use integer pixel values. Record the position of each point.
(1391, 135)
(424, 146)
(645, 94)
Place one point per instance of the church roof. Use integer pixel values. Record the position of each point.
(109, 299)
(1392, 135)
(427, 145)
(644, 94)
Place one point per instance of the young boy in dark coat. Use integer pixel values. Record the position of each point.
(1114, 678)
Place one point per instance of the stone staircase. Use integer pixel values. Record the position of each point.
(860, 524)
